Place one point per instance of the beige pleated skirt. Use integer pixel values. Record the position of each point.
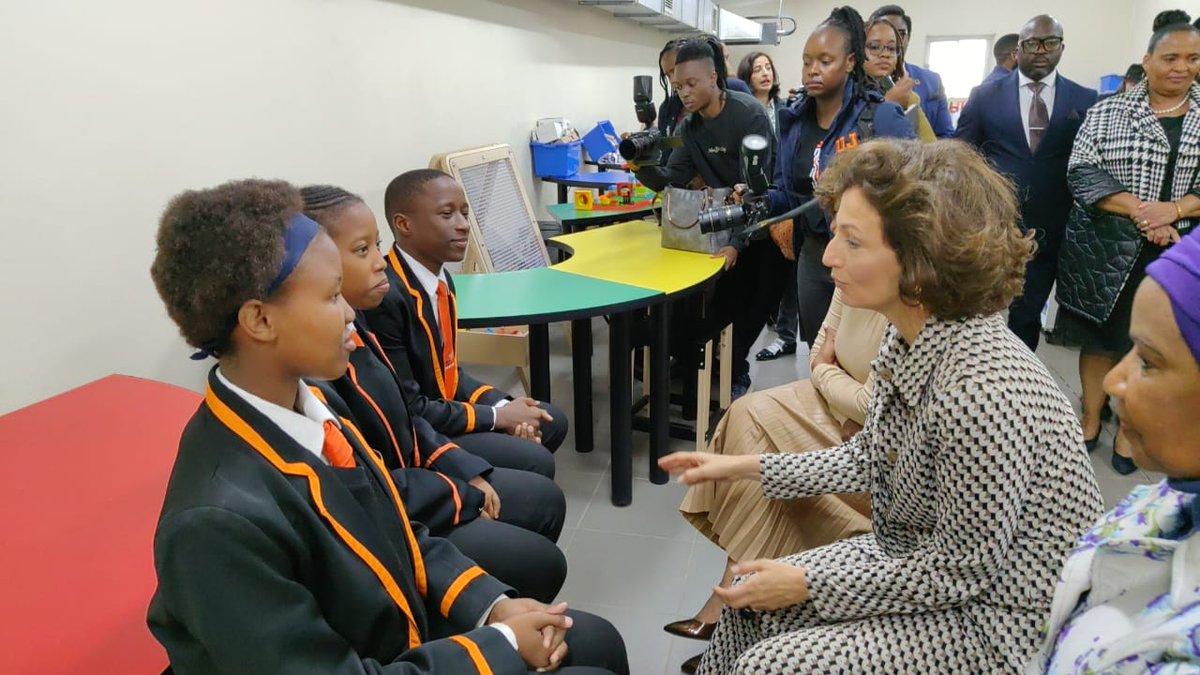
(737, 517)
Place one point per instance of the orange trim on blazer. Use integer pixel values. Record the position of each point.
(238, 426)
(414, 550)
(478, 393)
(375, 406)
(453, 493)
(481, 664)
(470, 416)
(394, 261)
(456, 588)
(438, 453)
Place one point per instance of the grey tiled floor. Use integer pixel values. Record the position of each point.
(642, 566)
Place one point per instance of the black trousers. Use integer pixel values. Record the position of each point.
(594, 647)
(814, 286)
(747, 294)
(1025, 312)
(519, 548)
(503, 450)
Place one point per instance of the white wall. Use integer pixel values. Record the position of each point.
(1102, 36)
(111, 107)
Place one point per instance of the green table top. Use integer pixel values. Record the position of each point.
(540, 295)
(567, 214)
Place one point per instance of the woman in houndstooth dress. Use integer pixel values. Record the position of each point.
(975, 462)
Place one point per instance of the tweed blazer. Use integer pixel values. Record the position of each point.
(979, 485)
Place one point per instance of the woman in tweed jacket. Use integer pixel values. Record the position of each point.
(973, 457)
(1136, 156)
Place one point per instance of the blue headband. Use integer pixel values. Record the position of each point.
(298, 233)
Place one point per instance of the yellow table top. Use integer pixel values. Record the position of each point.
(631, 253)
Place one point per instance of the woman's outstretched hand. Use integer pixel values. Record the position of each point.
(694, 468)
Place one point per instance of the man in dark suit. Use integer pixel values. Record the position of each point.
(1026, 124)
(926, 83)
(1005, 53)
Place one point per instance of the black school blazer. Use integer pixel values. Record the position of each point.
(430, 471)
(406, 325)
(269, 561)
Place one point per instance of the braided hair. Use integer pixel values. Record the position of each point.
(669, 48)
(880, 21)
(323, 202)
(850, 23)
(1168, 17)
(1169, 29)
(701, 48)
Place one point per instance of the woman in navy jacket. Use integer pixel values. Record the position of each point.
(839, 108)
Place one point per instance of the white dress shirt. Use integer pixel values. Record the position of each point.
(1026, 96)
(427, 280)
(309, 431)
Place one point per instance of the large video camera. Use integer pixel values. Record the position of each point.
(644, 148)
(755, 207)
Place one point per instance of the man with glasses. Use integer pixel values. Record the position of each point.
(926, 83)
(1026, 124)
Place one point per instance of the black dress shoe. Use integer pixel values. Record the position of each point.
(689, 667)
(1090, 443)
(775, 350)
(691, 629)
(1122, 465)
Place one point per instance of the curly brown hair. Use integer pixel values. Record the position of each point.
(218, 248)
(951, 218)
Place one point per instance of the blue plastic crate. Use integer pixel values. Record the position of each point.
(1110, 83)
(556, 160)
(601, 141)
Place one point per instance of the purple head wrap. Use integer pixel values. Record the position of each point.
(1177, 270)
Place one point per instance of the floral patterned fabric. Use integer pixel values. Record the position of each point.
(1128, 600)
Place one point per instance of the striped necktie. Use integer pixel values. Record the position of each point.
(1039, 117)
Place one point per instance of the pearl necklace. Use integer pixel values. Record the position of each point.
(1170, 110)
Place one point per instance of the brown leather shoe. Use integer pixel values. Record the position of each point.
(689, 667)
(691, 629)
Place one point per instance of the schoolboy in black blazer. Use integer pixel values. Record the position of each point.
(427, 211)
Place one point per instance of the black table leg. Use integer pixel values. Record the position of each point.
(621, 409)
(562, 193)
(581, 371)
(539, 361)
(660, 389)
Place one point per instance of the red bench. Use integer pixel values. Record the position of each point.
(82, 477)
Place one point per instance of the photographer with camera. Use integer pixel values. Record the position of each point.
(840, 107)
(711, 137)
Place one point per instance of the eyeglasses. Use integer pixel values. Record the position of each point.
(879, 49)
(1035, 45)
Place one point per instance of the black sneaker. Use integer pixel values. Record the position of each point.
(739, 387)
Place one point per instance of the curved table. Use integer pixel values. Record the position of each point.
(571, 218)
(631, 253)
(613, 270)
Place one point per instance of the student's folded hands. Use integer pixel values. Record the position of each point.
(541, 630)
(521, 411)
